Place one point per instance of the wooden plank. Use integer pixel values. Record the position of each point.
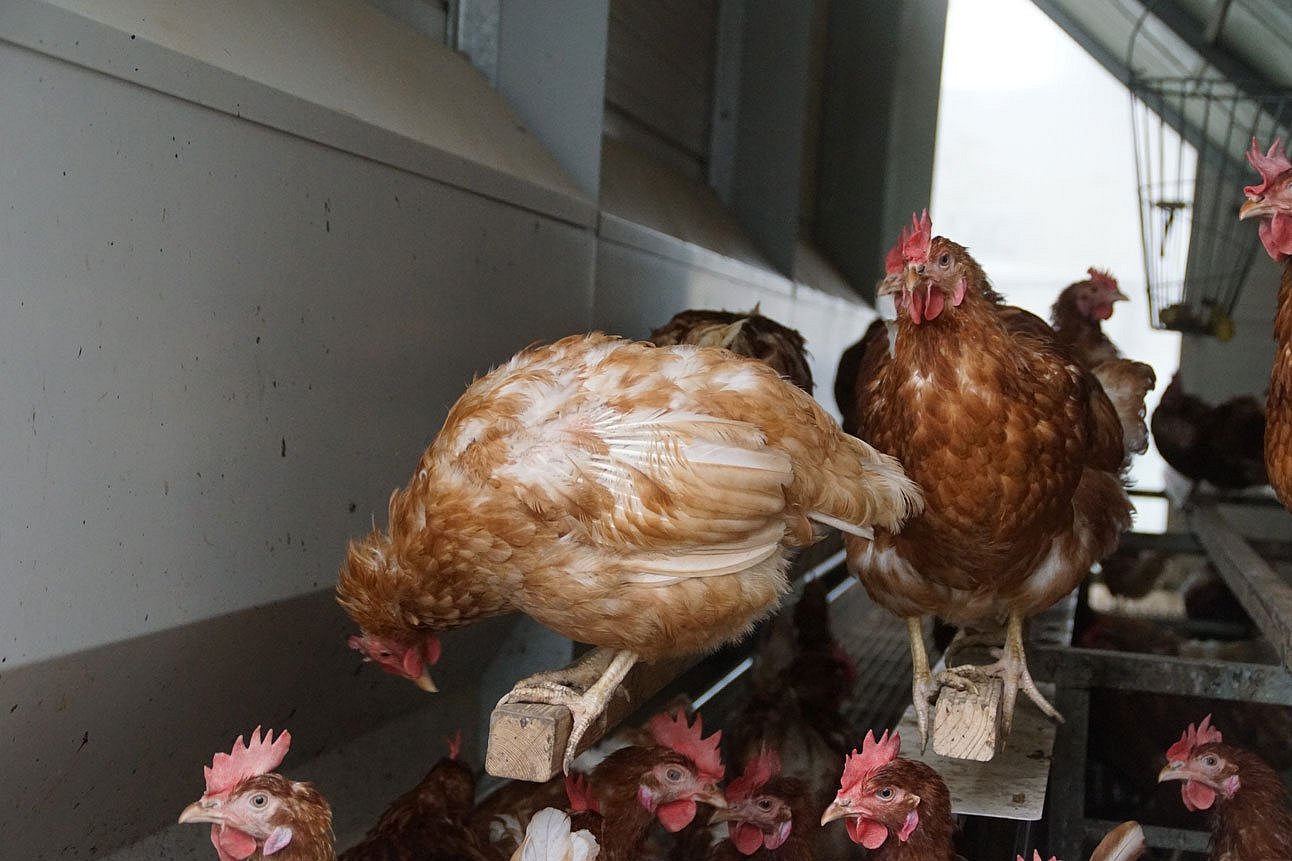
(967, 724)
(1013, 784)
(1265, 595)
(527, 741)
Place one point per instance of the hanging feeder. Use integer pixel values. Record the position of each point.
(1190, 136)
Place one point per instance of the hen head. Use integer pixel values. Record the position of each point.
(1271, 201)
(1094, 297)
(250, 808)
(759, 812)
(1204, 764)
(925, 273)
(877, 793)
(672, 788)
(413, 661)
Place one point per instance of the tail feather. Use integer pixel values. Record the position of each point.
(1123, 843)
(1126, 382)
(865, 488)
(549, 838)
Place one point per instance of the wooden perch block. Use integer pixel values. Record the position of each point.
(527, 741)
(967, 724)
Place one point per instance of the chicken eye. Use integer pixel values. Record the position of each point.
(259, 800)
(885, 794)
(764, 804)
(1209, 760)
(945, 259)
(674, 774)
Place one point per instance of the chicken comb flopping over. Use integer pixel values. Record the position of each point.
(673, 732)
(580, 794)
(758, 771)
(912, 246)
(261, 756)
(1203, 733)
(857, 767)
(455, 744)
(1269, 166)
(1102, 278)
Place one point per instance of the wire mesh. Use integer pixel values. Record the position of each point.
(1190, 138)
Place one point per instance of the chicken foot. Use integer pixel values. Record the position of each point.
(585, 688)
(1011, 668)
(924, 688)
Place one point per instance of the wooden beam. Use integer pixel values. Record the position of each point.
(967, 724)
(527, 741)
(1265, 595)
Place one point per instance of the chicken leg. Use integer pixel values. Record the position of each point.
(585, 688)
(924, 688)
(1011, 668)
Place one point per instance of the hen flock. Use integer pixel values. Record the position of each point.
(647, 497)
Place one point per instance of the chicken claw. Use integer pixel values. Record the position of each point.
(585, 688)
(1011, 667)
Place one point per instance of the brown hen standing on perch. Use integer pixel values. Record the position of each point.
(1271, 202)
(752, 335)
(640, 498)
(1018, 449)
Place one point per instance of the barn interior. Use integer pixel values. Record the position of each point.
(256, 251)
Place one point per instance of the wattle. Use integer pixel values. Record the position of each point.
(232, 844)
(676, 815)
(746, 837)
(867, 832)
(1197, 796)
(1276, 236)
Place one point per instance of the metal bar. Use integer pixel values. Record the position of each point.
(1160, 674)
(1265, 595)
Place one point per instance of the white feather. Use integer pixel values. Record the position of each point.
(548, 838)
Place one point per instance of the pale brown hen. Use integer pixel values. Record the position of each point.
(1016, 445)
(640, 498)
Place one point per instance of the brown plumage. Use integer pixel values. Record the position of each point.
(640, 498)
(899, 809)
(776, 820)
(1223, 445)
(1271, 203)
(429, 822)
(1019, 450)
(751, 335)
(1250, 812)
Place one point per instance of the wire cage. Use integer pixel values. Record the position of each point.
(1191, 136)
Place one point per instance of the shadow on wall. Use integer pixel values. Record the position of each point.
(107, 745)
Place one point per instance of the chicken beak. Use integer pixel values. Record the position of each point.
(712, 796)
(1119, 296)
(1172, 772)
(723, 814)
(202, 810)
(833, 812)
(425, 682)
(913, 278)
(1255, 208)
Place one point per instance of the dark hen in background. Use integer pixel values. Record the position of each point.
(751, 335)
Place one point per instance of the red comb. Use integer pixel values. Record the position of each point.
(1269, 166)
(1102, 278)
(912, 245)
(674, 733)
(580, 794)
(874, 755)
(1036, 856)
(261, 756)
(455, 744)
(758, 771)
(1204, 733)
